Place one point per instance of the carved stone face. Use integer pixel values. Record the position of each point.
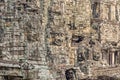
(57, 39)
(96, 57)
(80, 57)
(82, 54)
(84, 69)
(70, 74)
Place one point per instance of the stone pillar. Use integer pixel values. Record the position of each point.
(104, 11)
(112, 12)
(104, 55)
(1, 78)
(110, 59)
(118, 57)
(118, 7)
(91, 54)
(113, 59)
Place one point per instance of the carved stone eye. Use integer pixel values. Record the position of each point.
(57, 42)
(77, 39)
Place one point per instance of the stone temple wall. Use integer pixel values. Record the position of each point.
(58, 36)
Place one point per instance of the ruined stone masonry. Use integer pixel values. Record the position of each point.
(59, 39)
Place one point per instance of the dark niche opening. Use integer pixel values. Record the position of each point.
(2, 0)
(96, 9)
(28, 0)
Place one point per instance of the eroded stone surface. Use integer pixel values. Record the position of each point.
(60, 39)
